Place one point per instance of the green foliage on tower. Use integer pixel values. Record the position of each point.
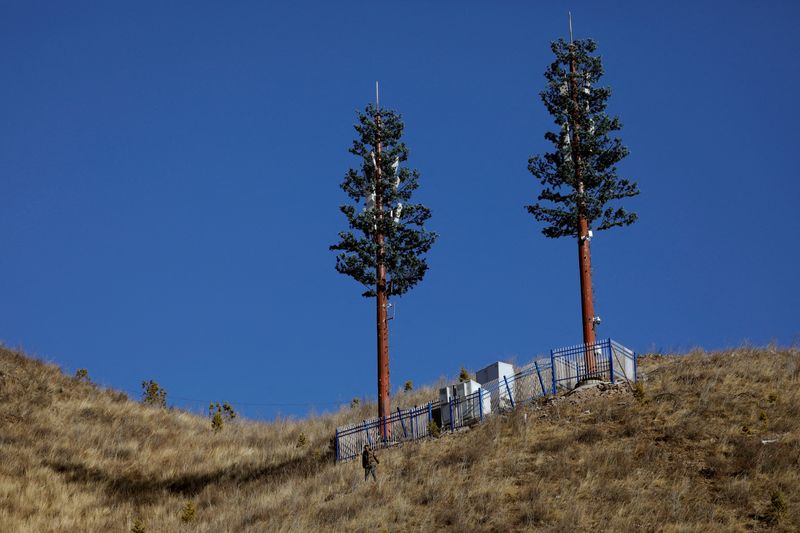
(585, 152)
(401, 223)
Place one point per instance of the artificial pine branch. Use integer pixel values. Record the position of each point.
(405, 238)
(583, 114)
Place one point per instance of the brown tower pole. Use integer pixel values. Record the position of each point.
(584, 253)
(382, 298)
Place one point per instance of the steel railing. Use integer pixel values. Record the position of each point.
(606, 360)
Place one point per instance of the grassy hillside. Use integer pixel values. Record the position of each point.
(710, 442)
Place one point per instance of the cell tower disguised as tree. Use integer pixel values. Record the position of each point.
(579, 178)
(384, 251)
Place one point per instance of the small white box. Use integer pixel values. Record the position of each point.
(462, 400)
(495, 376)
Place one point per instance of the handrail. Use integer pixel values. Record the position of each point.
(527, 384)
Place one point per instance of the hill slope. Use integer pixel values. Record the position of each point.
(710, 442)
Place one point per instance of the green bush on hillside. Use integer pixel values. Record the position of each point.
(153, 394)
(218, 413)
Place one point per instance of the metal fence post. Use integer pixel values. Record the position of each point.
(369, 439)
(480, 403)
(541, 382)
(452, 426)
(401, 422)
(336, 441)
(553, 369)
(611, 359)
(508, 389)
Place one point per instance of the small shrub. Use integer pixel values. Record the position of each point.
(153, 394)
(217, 422)
(778, 504)
(772, 398)
(188, 512)
(354, 403)
(408, 386)
(138, 527)
(218, 413)
(433, 429)
(638, 392)
(302, 440)
(763, 416)
(464, 375)
(82, 375)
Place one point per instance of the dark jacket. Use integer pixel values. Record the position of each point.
(368, 458)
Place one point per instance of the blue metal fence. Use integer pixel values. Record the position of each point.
(401, 426)
(607, 360)
(623, 361)
(497, 396)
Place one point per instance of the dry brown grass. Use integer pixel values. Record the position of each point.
(687, 455)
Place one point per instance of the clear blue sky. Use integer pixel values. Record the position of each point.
(169, 176)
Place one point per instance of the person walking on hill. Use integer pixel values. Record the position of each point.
(370, 462)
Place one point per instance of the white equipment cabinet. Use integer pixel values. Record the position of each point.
(463, 401)
(494, 376)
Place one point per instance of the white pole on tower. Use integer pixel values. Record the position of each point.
(570, 26)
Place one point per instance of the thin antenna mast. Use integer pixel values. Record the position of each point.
(570, 26)
(377, 102)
